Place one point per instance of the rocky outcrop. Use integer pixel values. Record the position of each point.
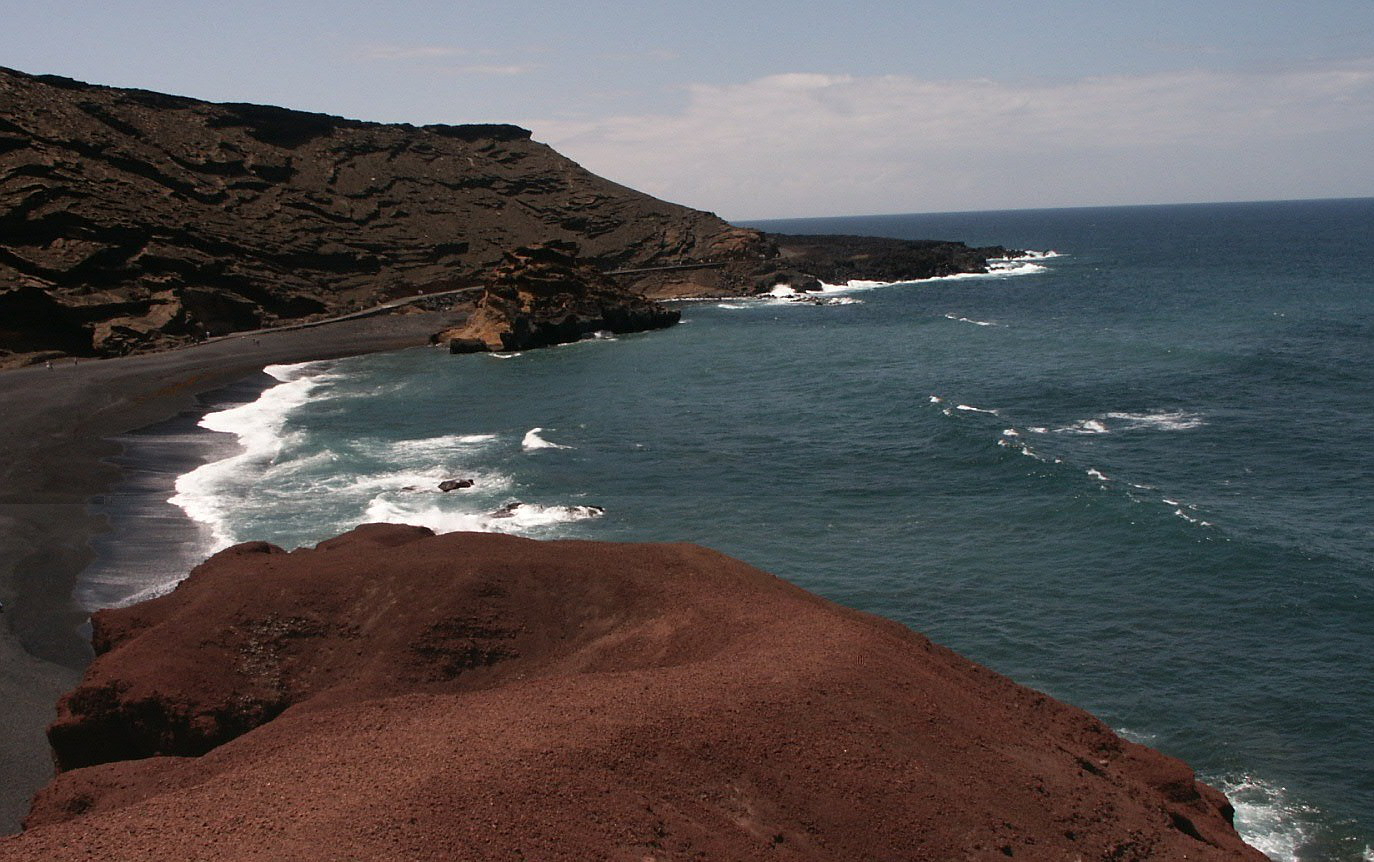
(150, 219)
(395, 694)
(543, 295)
(838, 259)
(130, 196)
(803, 262)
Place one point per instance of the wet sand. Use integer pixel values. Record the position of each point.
(54, 425)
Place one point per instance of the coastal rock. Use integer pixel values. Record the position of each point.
(396, 694)
(32, 321)
(286, 213)
(836, 259)
(455, 484)
(543, 295)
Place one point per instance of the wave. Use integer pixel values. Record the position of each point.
(997, 268)
(1268, 818)
(514, 517)
(1013, 438)
(1161, 420)
(1176, 420)
(970, 320)
(205, 494)
(533, 442)
(443, 445)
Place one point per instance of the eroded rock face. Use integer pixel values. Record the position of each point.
(543, 295)
(395, 694)
(129, 194)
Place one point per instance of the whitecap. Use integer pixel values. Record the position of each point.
(1162, 420)
(1098, 475)
(442, 445)
(971, 409)
(1085, 426)
(970, 320)
(533, 442)
(1268, 818)
(512, 518)
(1159, 420)
(936, 399)
(1190, 519)
(1137, 736)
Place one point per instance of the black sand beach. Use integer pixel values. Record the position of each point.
(54, 436)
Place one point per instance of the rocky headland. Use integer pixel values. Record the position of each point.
(543, 295)
(395, 694)
(133, 221)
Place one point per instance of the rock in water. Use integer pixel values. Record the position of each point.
(392, 694)
(543, 295)
(455, 484)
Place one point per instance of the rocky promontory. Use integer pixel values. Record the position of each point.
(543, 295)
(392, 694)
(133, 221)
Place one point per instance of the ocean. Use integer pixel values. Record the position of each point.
(1134, 470)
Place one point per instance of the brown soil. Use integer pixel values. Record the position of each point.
(396, 695)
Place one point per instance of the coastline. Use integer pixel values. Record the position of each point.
(56, 436)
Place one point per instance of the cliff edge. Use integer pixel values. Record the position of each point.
(394, 694)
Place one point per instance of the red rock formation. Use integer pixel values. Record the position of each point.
(396, 695)
(542, 295)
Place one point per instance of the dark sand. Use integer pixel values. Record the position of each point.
(54, 425)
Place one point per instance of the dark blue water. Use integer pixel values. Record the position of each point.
(1141, 479)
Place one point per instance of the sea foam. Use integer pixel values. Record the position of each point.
(1159, 420)
(514, 517)
(205, 494)
(1268, 818)
(533, 442)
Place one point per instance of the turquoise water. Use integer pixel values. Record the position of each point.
(1137, 475)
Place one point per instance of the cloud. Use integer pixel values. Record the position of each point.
(815, 144)
(491, 69)
(408, 52)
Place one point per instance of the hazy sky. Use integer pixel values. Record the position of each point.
(798, 108)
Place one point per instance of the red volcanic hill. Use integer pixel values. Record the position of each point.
(391, 694)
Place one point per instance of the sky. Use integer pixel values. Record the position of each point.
(772, 110)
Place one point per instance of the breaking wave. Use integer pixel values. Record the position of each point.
(533, 442)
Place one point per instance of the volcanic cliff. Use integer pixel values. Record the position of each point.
(391, 694)
(127, 216)
(133, 220)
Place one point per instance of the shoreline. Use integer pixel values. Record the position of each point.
(57, 438)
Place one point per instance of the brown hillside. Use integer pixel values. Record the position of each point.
(396, 695)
